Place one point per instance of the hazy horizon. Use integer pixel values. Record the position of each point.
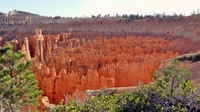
(86, 8)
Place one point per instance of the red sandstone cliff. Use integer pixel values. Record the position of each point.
(71, 66)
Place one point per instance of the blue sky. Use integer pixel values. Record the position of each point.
(80, 8)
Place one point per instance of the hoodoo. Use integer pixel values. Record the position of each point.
(70, 66)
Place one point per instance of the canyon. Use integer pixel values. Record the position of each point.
(70, 66)
(71, 56)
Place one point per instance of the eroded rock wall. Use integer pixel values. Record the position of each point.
(66, 66)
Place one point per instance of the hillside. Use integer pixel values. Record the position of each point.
(20, 24)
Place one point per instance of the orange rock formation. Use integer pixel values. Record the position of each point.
(66, 66)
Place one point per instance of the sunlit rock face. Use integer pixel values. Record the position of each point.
(67, 67)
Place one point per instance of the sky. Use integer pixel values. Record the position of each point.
(86, 8)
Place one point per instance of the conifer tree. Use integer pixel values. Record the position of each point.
(18, 86)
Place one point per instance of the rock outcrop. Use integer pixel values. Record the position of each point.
(69, 67)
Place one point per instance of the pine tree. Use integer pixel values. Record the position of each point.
(18, 86)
